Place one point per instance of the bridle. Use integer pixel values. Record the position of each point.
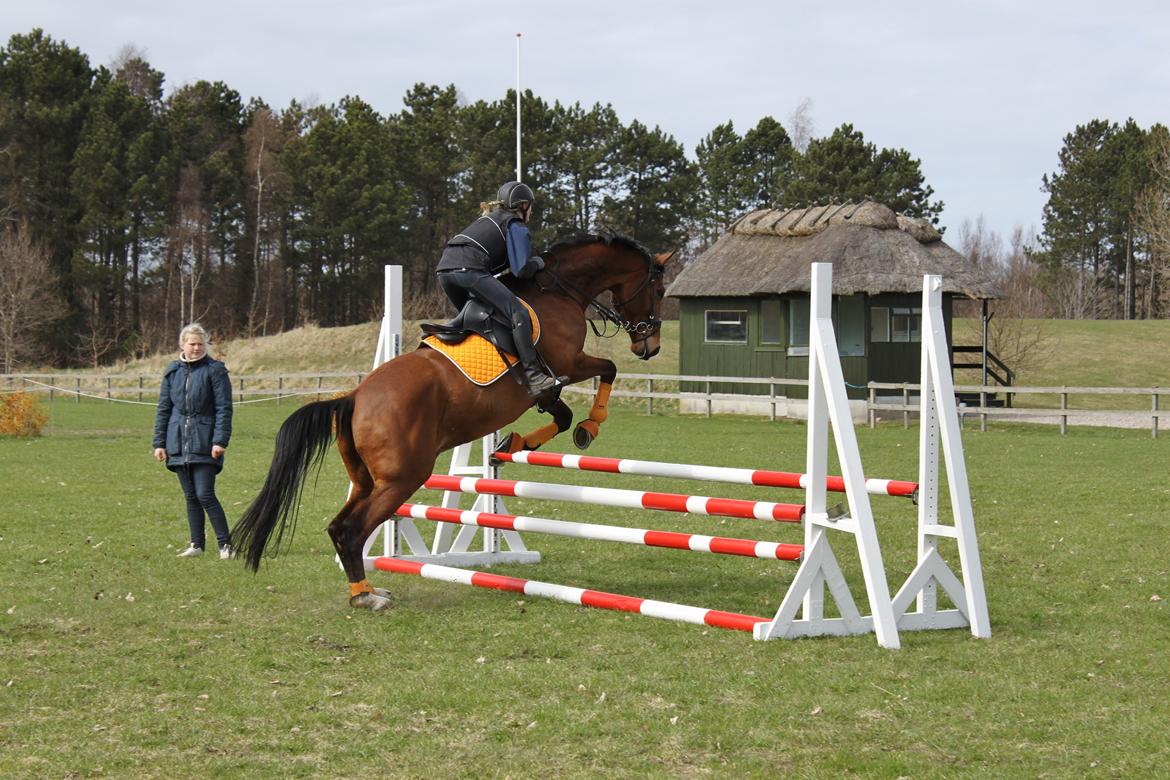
(639, 331)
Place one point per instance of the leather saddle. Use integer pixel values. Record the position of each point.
(475, 317)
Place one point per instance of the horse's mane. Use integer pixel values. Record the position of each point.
(607, 238)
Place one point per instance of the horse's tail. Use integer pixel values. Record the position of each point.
(301, 444)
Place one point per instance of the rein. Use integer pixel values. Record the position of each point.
(642, 328)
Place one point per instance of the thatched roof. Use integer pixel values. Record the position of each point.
(872, 250)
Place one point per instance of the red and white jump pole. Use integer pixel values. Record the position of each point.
(722, 545)
(580, 596)
(651, 468)
(632, 499)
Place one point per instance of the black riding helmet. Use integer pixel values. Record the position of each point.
(512, 194)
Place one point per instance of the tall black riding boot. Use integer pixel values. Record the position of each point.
(535, 378)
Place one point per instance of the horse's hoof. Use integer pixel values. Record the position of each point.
(584, 434)
(376, 601)
(509, 444)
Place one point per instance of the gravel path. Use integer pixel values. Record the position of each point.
(1135, 420)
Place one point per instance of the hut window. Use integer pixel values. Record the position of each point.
(849, 323)
(798, 311)
(901, 324)
(905, 324)
(727, 327)
(879, 324)
(770, 314)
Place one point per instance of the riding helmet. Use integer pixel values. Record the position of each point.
(512, 194)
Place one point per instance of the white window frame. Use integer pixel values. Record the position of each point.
(740, 320)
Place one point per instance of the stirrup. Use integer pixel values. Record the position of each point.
(546, 385)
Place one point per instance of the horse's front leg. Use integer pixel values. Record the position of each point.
(562, 419)
(588, 366)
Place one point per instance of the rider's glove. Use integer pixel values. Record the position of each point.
(530, 269)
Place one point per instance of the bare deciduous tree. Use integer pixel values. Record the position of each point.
(800, 126)
(29, 296)
(263, 141)
(1015, 333)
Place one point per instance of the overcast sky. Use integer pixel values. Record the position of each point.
(981, 92)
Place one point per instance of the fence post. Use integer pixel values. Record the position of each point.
(772, 396)
(140, 388)
(109, 387)
(905, 406)
(708, 397)
(650, 397)
(318, 388)
(279, 389)
(1154, 417)
(872, 413)
(78, 397)
(1063, 408)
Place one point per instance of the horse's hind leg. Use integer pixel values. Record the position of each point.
(360, 590)
(361, 485)
(350, 530)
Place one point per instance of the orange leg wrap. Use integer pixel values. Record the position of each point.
(540, 436)
(598, 413)
(515, 442)
(360, 587)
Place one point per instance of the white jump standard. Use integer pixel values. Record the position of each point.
(801, 612)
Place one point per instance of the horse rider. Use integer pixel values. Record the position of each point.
(495, 243)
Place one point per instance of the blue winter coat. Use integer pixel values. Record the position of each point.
(194, 412)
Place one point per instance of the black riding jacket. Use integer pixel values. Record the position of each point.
(481, 245)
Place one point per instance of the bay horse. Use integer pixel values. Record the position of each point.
(391, 429)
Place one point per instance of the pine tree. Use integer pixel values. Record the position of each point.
(725, 181)
(845, 167)
(656, 187)
(768, 157)
(44, 98)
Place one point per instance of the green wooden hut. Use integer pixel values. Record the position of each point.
(744, 302)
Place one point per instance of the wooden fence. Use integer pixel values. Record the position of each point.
(883, 399)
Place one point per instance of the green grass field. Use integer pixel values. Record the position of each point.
(117, 660)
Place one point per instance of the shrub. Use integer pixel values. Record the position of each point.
(21, 414)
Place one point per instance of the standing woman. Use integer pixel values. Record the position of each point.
(191, 432)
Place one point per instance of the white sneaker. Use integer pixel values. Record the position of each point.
(226, 553)
(190, 552)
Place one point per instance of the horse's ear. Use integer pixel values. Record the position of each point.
(662, 258)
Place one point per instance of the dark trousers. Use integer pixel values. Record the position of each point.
(198, 483)
(460, 285)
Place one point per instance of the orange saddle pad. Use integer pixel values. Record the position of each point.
(476, 357)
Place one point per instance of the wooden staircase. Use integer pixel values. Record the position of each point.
(995, 372)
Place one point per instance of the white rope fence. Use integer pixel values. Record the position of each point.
(110, 399)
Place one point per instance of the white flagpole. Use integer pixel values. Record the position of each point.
(518, 177)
